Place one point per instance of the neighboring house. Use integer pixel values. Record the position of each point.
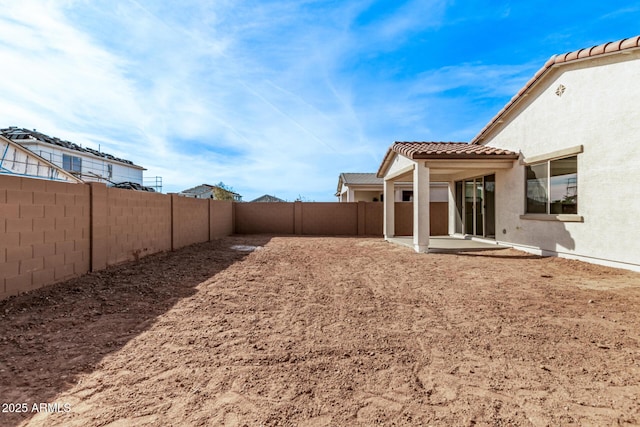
(206, 191)
(555, 172)
(19, 161)
(367, 187)
(84, 163)
(267, 199)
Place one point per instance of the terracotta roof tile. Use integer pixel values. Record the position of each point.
(449, 150)
(603, 49)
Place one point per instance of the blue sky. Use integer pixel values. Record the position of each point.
(278, 97)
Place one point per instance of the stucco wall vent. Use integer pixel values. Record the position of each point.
(560, 90)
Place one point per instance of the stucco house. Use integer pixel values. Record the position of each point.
(367, 187)
(84, 163)
(555, 172)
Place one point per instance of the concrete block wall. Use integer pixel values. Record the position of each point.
(220, 218)
(373, 219)
(44, 233)
(190, 220)
(264, 218)
(138, 224)
(52, 231)
(438, 218)
(331, 219)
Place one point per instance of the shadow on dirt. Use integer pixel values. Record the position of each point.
(51, 335)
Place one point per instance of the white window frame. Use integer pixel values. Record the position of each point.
(548, 158)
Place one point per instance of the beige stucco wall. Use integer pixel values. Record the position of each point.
(399, 164)
(438, 192)
(368, 196)
(598, 110)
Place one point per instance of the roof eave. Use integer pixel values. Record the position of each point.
(419, 156)
(341, 180)
(386, 162)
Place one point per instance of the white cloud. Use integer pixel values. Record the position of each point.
(249, 93)
(477, 78)
(266, 96)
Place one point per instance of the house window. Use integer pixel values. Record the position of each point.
(552, 187)
(407, 196)
(71, 163)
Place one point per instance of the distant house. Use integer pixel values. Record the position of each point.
(367, 187)
(19, 161)
(84, 163)
(267, 199)
(206, 191)
(555, 172)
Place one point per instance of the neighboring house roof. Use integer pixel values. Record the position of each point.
(20, 161)
(205, 189)
(268, 199)
(19, 134)
(442, 150)
(350, 178)
(620, 46)
(134, 186)
(353, 178)
(198, 190)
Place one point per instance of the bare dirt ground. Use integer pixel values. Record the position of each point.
(326, 332)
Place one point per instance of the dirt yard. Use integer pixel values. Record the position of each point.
(325, 332)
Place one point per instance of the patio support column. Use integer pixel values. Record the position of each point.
(389, 209)
(453, 209)
(351, 195)
(421, 207)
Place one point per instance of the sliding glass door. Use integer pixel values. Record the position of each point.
(475, 200)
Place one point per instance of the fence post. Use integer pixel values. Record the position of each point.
(362, 218)
(210, 219)
(98, 240)
(297, 217)
(173, 221)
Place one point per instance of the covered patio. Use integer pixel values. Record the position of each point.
(452, 162)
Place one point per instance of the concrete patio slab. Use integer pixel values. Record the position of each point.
(449, 244)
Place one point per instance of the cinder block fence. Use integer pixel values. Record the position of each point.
(52, 231)
(331, 219)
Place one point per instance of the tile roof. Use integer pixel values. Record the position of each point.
(202, 189)
(443, 151)
(578, 55)
(352, 178)
(357, 178)
(19, 134)
(198, 190)
(449, 150)
(267, 198)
